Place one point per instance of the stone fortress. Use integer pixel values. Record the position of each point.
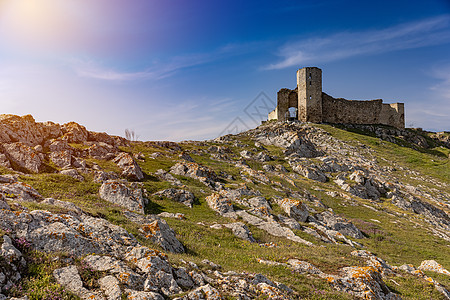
(307, 103)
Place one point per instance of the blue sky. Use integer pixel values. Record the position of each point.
(176, 70)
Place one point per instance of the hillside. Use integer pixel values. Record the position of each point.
(282, 211)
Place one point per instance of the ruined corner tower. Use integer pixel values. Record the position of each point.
(309, 84)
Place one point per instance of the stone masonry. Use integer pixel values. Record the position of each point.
(307, 103)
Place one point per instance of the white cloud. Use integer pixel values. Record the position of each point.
(345, 44)
(92, 69)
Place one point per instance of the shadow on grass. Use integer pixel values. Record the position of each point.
(153, 208)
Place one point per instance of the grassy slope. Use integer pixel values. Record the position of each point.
(393, 238)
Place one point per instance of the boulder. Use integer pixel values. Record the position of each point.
(102, 176)
(26, 130)
(432, 265)
(72, 173)
(8, 251)
(220, 204)
(110, 287)
(294, 209)
(139, 295)
(241, 231)
(118, 192)
(4, 162)
(102, 150)
(310, 173)
(193, 170)
(362, 282)
(57, 145)
(75, 235)
(130, 168)
(23, 156)
(259, 201)
(182, 196)
(64, 205)
(19, 191)
(62, 159)
(159, 232)
(339, 224)
(149, 261)
(70, 279)
(74, 133)
(263, 157)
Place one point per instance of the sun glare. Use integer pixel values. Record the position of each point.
(37, 23)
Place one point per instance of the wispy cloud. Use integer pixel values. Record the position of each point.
(90, 68)
(93, 69)
(346, 44)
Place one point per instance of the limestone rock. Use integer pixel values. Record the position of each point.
(205, 292)
(263, 157)
(194, 170)
(119, 193)
(72, 173)
(148, 260)
(162, 281)
(432, 265)
(8, 251)
(305, 267)
(183, 196)
(20, 191)
(62, 159)
(340, 224)
(76, 235)
(3, 203)
(183, 279)
(241, 231)
(110, 286)
(185, 156)
(102, 150)
(160, 232)
(363, 282)
(166, 176)
(295, 209)
(130, 169)
(102, 176)
(4, 161)
(57, 145)
(220, 204)
(63, 204)
(74, 133)
(23, 156)
(26, 130)
(259, 201)
(137, 295)
(69, 278)
(310, 173)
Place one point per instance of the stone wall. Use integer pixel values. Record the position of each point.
(393, 115)
(339, 110)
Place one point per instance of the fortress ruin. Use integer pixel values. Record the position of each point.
(307, 103)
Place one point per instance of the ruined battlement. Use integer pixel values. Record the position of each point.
(308, 103)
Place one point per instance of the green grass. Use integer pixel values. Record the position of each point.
(395, 238)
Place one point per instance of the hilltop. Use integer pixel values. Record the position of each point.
(287, 210)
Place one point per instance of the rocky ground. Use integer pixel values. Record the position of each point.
(283, 211)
